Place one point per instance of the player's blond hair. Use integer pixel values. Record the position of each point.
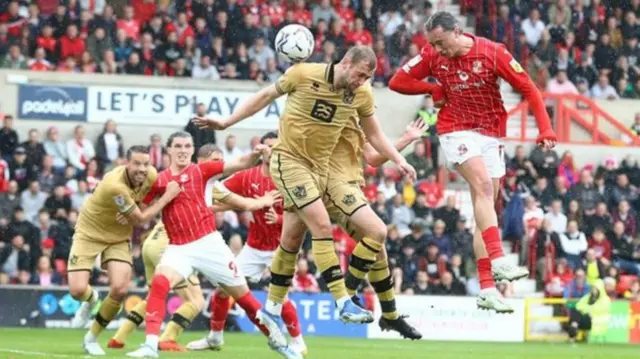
(362, 53)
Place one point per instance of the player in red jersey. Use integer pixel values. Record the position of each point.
(196, 245)
(257, 254)
(470, 125)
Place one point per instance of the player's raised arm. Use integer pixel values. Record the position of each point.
(246, 161)
(409, 79)
(414, 131)
(230, 196)
(140, 217)
(509, 69)
(381, 143)
(255, 103)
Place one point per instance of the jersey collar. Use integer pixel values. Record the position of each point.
(329, 72)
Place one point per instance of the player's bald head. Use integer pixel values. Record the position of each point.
(441, 19)
(209, 152)
(361, 53)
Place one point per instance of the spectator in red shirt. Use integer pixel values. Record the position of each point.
(129, 24)
(301, 14)
(39, 63)
(383, 70)
(181, 28)
(12, 19)
(420, 37)
(370, 188)
(71, 45)
(304, 281)
(346, 13)
(600, 244)
(359, 35)
(274, 10)
(432, 190)
(143, 10)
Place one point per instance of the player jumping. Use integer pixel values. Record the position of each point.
(98, 233)
(258, 252)
(188, 290)
(469, 127)
(196, 245)
(322, 99)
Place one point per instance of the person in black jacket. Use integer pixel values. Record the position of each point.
(22, 171)
(626, 251)
(109, 146)
(34, 149)
(200, 137)
(15, 258)
(62, 234)
(8, 139)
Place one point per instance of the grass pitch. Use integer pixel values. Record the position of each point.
(62, 343)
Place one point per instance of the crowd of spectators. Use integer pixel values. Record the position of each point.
(588, 47)
(204, 39)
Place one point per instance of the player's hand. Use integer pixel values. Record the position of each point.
(211, 123)
(406, 169)
(547, 139)
(173, 189)
(416, 129)
(271, 217)
(262, 150)
(270, 198)
(122, 219)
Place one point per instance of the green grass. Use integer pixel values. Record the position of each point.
(43, 343)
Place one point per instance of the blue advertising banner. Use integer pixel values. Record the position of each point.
(317, 313)
(59, 103)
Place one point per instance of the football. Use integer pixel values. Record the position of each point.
(295, 43)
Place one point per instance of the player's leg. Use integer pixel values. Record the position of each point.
(218, 264)
(192, 304)
(152, 249)
(174, 267)
(219, 307)
(346, 199)
(82, 258)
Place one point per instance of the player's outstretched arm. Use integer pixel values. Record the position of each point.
(246, 161)
(236, 202)
(414, 131)
(255, 103)
(509, 69)
(381, 143)
(140, 217)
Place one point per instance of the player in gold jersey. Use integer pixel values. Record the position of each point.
(188, 290)
(348, 207)
(322, 99)
(97, 233)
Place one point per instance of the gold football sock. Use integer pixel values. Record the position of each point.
(180, 321)
(324, 254)
(283, 267)
(362, 258)
(108, 310)
(380, 279)
(133, 320)
(87, 296)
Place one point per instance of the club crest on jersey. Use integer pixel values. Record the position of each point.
(462, 149)
(463, 75)
(120, 202)
(515, 65)
(477, 67)
(184, 177)
(300, 191)
(73, 259)
(348, 97)
(349, 199)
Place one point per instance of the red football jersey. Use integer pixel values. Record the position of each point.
(187, 218)
(253, 183)
(472, 87)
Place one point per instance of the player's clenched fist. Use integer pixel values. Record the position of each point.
(210, 123)
(173, 189)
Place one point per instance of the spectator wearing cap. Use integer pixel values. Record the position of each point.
(20, 170)
(9, 200)
(8, 139)
(109, 145)
(44, 275)
(80, 149)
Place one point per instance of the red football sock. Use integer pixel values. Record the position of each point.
(219, 311)
(290, 318)
(484, 273)
(251, 306)
(157, 304)
(491, 239)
